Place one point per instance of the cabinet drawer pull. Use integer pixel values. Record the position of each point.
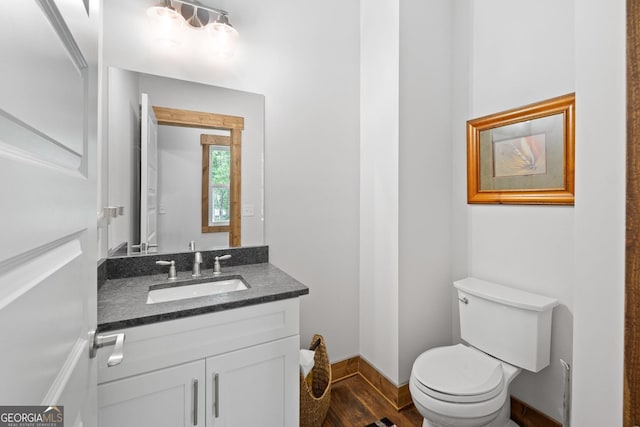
(216, 404)
(195, 402)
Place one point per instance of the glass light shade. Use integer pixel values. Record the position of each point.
(224, 38)
(168, 25)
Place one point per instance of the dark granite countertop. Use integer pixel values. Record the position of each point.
(122, 302)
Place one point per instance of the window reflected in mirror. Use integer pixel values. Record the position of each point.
(220, 182)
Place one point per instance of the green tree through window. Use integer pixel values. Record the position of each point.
(219, 180)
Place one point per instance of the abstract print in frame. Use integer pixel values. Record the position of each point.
(524, 155)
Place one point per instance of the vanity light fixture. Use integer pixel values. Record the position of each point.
(171, 18)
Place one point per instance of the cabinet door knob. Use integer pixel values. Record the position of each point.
(97, 341)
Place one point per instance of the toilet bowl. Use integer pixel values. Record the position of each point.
(461, 386)
(506, 330)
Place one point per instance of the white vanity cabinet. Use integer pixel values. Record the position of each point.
(249, 387)
(170, 397)
(233, 368)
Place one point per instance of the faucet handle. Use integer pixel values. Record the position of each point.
(172, 268)
(216, 266)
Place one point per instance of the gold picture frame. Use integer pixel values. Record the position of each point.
(524, 155)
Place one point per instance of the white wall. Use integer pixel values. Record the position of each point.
(425, 207)
(599, 213)
(308, 70)
(123, 134)
(512, 62)
(461, 98)
(405, 197)
(379, 175)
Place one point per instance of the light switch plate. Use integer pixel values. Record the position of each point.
(247, 210)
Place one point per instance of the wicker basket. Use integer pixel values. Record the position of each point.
(315, 399)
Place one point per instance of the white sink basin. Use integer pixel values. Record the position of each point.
(195, 290)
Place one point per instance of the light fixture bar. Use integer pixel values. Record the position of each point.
(201, 6)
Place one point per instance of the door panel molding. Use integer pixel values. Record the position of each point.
(24, 277)
(54, 16)
(45, 312)
(44, 216)
(34, 146)
(62, 381)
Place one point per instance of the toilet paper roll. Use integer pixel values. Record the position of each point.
(306, 361)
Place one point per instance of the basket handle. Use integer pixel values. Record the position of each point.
(315, 345)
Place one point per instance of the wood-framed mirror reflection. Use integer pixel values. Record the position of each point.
(234, 125)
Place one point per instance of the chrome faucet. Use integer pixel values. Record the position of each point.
(216, 266)
(197, 260)
(172, 269)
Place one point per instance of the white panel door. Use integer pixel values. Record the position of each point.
(255, 386)
(48, 131)
(148, 173)
(171, 397)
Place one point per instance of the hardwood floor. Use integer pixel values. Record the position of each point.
(355, 403)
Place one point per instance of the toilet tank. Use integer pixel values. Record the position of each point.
(507, 323)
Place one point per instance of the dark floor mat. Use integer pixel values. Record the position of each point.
(385, 422)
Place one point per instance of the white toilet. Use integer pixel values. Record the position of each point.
(468, 385)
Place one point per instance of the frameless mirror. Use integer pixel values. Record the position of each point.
(178, 193)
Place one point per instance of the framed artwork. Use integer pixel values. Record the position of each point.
(523, 156)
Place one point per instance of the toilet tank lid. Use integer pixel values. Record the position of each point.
(505, 295)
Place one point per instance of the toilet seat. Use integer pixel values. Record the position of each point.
(458, 374)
